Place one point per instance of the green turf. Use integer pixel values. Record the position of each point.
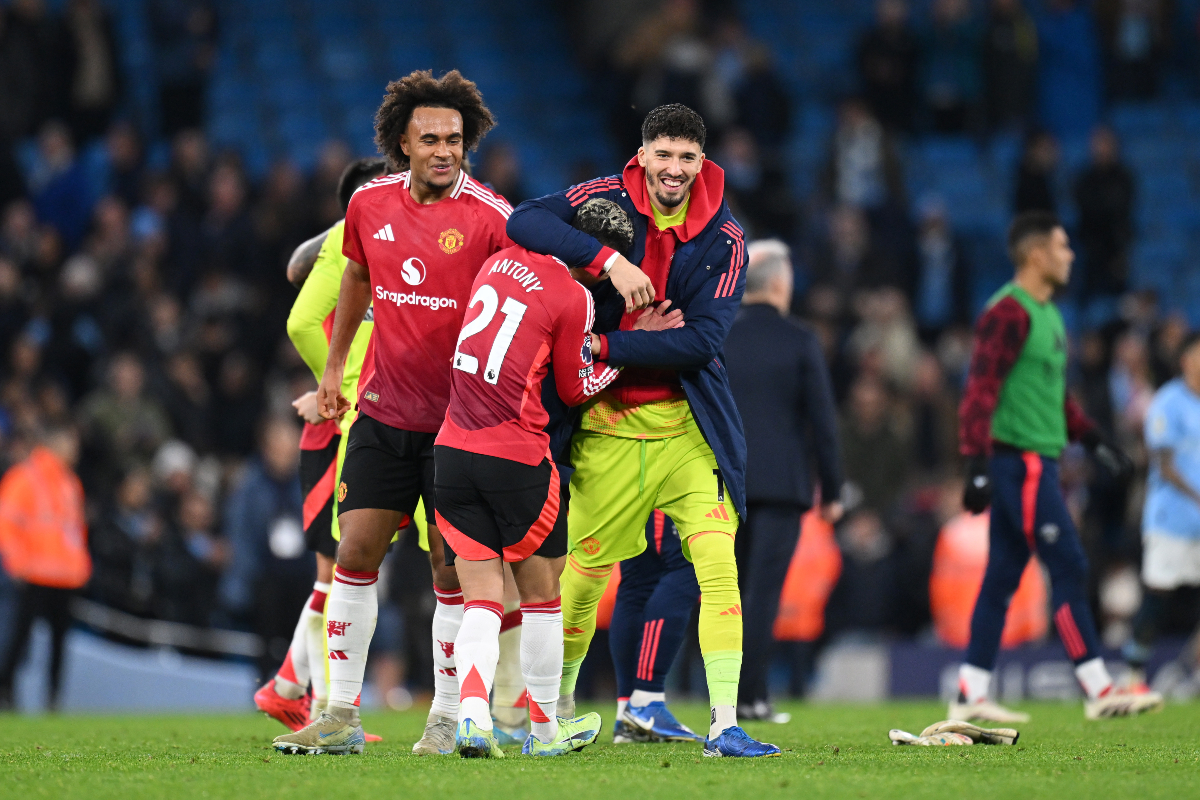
(829, 751)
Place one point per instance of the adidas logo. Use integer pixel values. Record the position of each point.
(719, 513)
(385, 233)
(338, 655)
(732, 611)
(573, 631)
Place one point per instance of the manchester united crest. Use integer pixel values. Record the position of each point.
(451, 241)
(342, 492)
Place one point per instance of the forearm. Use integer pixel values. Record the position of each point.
(354, 297)
(1166, 465)
(544, 226)
(686, 348)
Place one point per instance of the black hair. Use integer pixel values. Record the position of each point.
(419, 89)
(1189, 341)
(355, 175)
(606, 222)
(674, 121)
(1027, 225)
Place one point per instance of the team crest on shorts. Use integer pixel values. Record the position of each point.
(451, 241)
(590, 546)
(341, 491)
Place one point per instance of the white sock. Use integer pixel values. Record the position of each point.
(640, 699)
(510, 705)
(476, 651)
(352, 609)
(1094, 678)
(622, 702)
(298, 651)
(541, 663)
(447, 618)
(974, 682)
(720, 718)
(315, 612)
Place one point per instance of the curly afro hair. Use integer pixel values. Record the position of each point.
(419, 88)
(606, 222)
(674, 121)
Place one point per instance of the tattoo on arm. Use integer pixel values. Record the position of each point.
(303, 258)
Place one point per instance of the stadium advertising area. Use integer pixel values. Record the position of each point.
(610, 389)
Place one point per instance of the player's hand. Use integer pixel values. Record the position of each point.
(658, 318)
(633, 284)
(977, 494)
(1111, 458)
(306, 408)
(832, 512)
(331, 403)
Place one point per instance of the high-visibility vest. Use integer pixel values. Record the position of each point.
(959, 561)
(814, 571)
(43, 537)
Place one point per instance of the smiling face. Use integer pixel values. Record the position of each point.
(433, 143)
(671, 168)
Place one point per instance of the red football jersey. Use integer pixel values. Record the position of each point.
(526, 313)
(422, 260)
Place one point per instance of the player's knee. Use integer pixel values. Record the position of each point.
(445, 578)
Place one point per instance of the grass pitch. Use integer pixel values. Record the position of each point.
(829, 751)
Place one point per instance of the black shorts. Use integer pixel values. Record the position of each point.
(489, 506)
(386, 467)
(317, 471)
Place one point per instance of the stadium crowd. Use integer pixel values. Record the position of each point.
(143, 296)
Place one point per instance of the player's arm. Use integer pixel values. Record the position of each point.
(999, 336)
(354, 298)
(707, 320)
(303, 258)
(1164, 458)
(575, 376)
(544, 226)
(305, 325)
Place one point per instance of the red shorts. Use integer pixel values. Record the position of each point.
(489, 507)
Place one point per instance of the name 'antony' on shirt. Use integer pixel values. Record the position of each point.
(519, 273)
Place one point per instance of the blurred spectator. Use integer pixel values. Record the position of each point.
(283, 214)
(849, 260)
(14, 312)
(188, 401)
(756, 186)
(55, 180)
(270, 572)
(762, 100)
(782, 387)
(125, 171)
(1035, 174)
(122, 424)
(185, 36)
(190, 564)
(43, 543)
(885, 339)
(1069, 70)
(951, 82)
(42, 49)
(239, 400)
(333, 159)
(1010, 55)
(124, 546)
(1137, 38)
(942, 290)
(228, 243)
(1104, 194)
(501, 170)
(876, 456)
(863, 168)
(934, 418)
(887, 65)
(864, 600)
(96, 78)
(1131, 387)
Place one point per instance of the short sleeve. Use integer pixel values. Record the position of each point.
(1161, 425)
(351, 243)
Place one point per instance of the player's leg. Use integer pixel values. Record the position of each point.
(639, 577)
(1060, 549)
(611, 499)
(693, 495)
(56, 608)
(762, 568)
(664, 620)
(510, 704)
(1014, 491)
(22, 626)
(1165, 562)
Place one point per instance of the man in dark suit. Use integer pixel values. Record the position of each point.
(782, 387)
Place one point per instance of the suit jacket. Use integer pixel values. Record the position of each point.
(782, 387)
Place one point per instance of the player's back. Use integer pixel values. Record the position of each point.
(526, 316)
(422, 259)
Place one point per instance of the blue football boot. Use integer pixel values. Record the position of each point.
(736, 743)
(657, 722)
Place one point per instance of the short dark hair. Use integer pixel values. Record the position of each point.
(420, 89)
(1027, 225)
(355, 175)
(606, 222)
(674, 121)
(1189, 341)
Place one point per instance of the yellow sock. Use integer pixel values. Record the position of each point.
(720, 625)
(582, 588)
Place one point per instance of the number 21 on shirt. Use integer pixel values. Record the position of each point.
(513, 311)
